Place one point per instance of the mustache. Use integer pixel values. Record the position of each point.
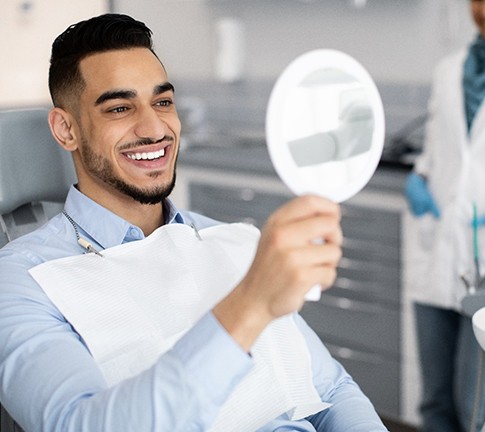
(146, 141)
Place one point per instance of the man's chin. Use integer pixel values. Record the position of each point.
(149, 199)
(145, 196)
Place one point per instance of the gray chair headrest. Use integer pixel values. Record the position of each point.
(33, 167)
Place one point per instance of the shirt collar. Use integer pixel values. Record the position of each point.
(104, 226)
(172, 214)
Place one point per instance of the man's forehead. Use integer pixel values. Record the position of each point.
(122, 69)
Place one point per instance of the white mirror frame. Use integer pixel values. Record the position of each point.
(278, 148)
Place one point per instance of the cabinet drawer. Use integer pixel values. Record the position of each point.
(234, 204)
(367, 223)
(370, 272)
(378, 376)
(362, 326)
(387, 293)
(371, 250)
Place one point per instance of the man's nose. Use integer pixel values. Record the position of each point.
(150, 125)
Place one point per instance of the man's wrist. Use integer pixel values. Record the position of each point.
(243, 318)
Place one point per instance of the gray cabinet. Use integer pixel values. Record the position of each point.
(359, 318)
(234, 204)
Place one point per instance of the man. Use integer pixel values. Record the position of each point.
(114, 110)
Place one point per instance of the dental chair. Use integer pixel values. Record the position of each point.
(35, 173)
(35, 176)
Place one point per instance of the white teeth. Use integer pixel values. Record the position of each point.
(147, 156)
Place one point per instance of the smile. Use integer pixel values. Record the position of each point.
(147, 156)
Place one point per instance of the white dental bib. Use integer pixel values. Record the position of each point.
(134, 303)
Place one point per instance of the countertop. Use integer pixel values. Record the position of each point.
(253, 158)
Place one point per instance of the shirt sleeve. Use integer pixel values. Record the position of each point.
(351, 410)
(50, 382)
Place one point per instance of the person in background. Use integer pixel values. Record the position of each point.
(446, 195)
(114, 109)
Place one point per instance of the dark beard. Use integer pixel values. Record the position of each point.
(102, 169)
(144, 196)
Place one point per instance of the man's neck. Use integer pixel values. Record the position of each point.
(148, 217)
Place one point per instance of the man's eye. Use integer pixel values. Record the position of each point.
(118, 110)
(164, 103)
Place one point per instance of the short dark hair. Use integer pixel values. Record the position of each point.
(99, 34)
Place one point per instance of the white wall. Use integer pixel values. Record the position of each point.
(27, 30)
(398, 41)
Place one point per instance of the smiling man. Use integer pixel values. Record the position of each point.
(123, 130)
(229, 350)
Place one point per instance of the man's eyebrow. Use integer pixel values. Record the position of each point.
(115, 94)
(131, 94)
(162, 88)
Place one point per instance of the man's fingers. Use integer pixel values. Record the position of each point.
(318, 255)
(316, 229)
(305, 207)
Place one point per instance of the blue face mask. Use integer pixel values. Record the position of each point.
(474, 79)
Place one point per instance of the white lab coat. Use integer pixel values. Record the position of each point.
(454, 164)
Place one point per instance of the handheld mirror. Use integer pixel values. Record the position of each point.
(325, 127)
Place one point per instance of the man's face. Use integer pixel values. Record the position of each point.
(128, 127)
(478, 13)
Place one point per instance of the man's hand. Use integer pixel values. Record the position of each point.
(289, 261)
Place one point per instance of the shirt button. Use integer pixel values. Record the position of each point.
(134, 233)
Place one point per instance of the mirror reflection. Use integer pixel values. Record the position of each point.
(332, 119)
(325, 125)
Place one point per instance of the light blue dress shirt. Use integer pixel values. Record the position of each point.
(49, 381)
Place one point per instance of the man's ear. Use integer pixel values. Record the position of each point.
(62, 126)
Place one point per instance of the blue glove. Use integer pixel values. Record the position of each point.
(419, 197)
(480, 221)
